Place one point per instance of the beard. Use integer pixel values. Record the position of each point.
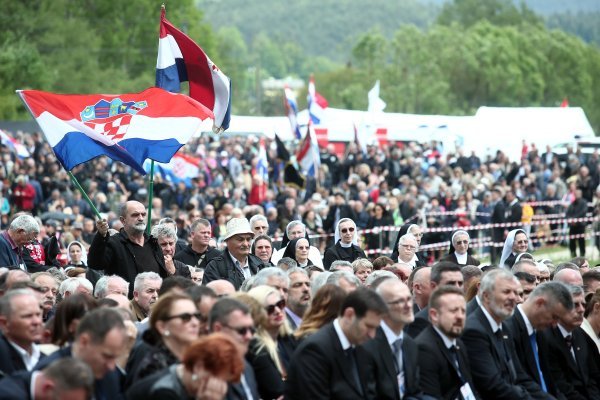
(499, 311)
(139, 228)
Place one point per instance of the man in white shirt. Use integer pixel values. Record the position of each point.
(22, 327)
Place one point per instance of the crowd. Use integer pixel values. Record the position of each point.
(363, 284)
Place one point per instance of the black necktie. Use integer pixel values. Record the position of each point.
(454, 356)
(350, 354)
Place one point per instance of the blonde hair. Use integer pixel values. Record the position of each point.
(264, 339)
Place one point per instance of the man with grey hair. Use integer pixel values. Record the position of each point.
(75, 285)
(274, 277)
(22, 230)
(341, 265)
(296, 229)
(377, 277)
(572, 354)
(299, 296)
(180, 244)
(545, 305)
(22, 327)
(527, 266)
(111, 284)
(130, 251)
(145, 293)
(497, 372)
(166, 238)
(198, 252)
(287, 263)
(259, 225)
(346, 280)
(318, 281)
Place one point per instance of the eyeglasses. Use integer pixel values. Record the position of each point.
(346, 230)
(187, 317)
(408, 247)
(271, 308)
(243, 330)
(462, 242)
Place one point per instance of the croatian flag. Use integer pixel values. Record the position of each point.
(180, 60)
(129, 128)
(13, 144)
(262, 166)
(308, 156)
(181, 168)
(316, 103)
(291, 107)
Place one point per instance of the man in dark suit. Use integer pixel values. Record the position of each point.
(338, 210)
(497, 218)
(573, 356)
(63, 379)
(473, 305)
(497, 372)
(99, 342)
(392, 363)
(442, 273)
(328, 364)
(21, 326)
(233, 318)
(544, 305)
(443, 359)
(514, 211)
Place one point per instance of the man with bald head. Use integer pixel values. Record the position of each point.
(421, 287)
(221, 287)
(569, 276)
(130, 251)
(393, 362)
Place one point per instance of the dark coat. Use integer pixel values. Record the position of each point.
(345, 212)
(115, 256)
(268, 379)
(382, 371)
(419, 324)
(235, 391)
(575, 380)
(10, 359)
(222, 267)
(109, 387)
(495, 377)
(320, 370)
(518, 330)
(16, 387)
(452, 258)
(439, 376)
(333, 254)
(472, 306)
(190, 257)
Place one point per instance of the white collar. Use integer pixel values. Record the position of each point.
(389, 334)
(495, 326)
(447, 341)
(235, 261)
(530, 328)
(461, 258)
(341, 336)
(563, 331)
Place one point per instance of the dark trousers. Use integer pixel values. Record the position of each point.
(577, 230)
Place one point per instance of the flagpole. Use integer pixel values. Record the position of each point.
(84, 194)
(150, 196)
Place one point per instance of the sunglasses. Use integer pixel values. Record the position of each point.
(187, 317)
(346, 230)
(271, 308)
(243, 330)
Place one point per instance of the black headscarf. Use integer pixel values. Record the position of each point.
(290, 250)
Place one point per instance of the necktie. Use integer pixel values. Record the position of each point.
(454, 358)
(569, 342)
(534, 347)
(397, 349)
(354, 367)
(500, 342)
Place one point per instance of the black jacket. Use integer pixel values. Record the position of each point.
(115, 256)
(222, 267)
(333, 254)
(419, 324)
(439, 376)
(16, 386)
(10, 359)
(190, 257)
(452, 258)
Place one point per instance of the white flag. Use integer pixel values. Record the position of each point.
(375, 102)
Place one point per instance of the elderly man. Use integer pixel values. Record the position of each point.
(167, 238)
(221, 287)
(459, 251)
(542, 309)
(22, 328)
(49, 287)
(345, 245)
(130, 251)
(75, 285)
(298, 297)
(344, 279)
(235, 264)
(572, 354)
(443, 361)
(145, 293)
(198, 253)
(495, 366)
(407, 249)
(112, 284)
(259, 225)
(569, 276)
(421, 287)
(527, 266)
(392, 363)
(274, 277)
(294, 230)
(22, 230)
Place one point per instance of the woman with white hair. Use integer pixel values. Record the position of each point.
(346, 244)
(459, 249)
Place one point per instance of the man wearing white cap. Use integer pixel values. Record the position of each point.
(236, 264)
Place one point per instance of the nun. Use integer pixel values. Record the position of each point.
(346, 244)
(516, 243)
(459, 250)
